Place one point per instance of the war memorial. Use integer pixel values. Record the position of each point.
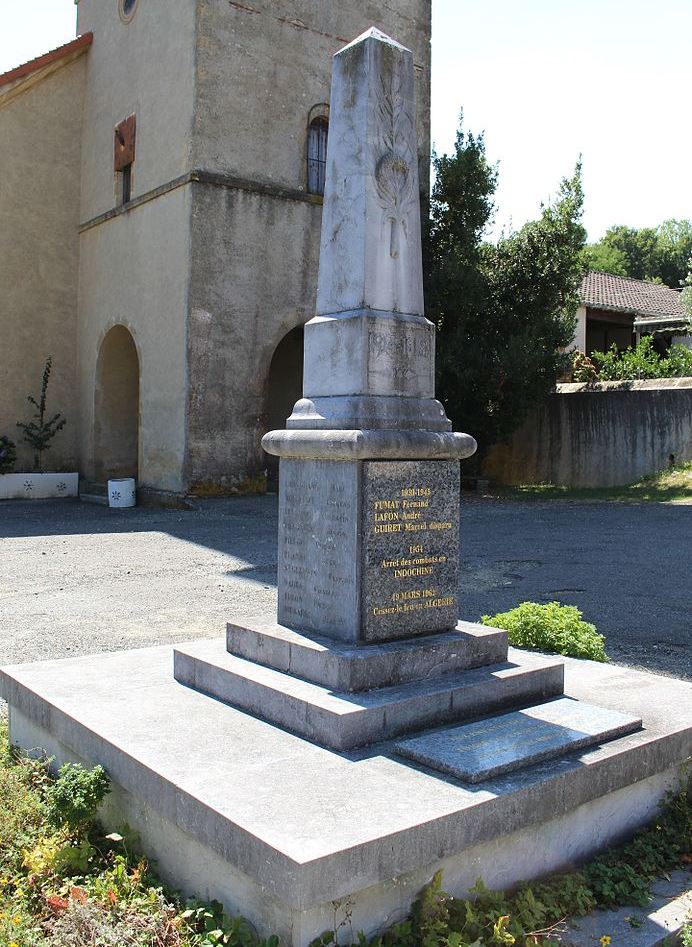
(319, 765)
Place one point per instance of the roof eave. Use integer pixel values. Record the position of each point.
(55, 55)
(632, 311)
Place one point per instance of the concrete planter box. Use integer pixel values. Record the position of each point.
(122, 493)
(38, 486)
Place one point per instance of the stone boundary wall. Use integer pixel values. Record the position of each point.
(599, 435)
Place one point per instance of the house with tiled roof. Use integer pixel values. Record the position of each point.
(620, 310)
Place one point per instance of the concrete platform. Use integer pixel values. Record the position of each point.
(297, 837)
(345, 721)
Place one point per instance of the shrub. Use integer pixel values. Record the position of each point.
(8, 454)
(642, 362)
(75, 796)
(86, 922)
(553, 627)
(583, 369)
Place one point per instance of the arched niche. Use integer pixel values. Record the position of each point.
(285, 387)
(116, 407)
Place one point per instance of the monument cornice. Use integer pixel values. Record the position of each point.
(369, 445)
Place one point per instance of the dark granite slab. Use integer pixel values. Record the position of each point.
(410, 548)
(484, 749)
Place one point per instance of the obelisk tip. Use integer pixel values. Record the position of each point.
(373, 34)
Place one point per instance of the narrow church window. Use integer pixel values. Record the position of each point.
(317, 154)
(126, 184)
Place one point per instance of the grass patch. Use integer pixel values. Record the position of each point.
(558, 629)
(673, 485)
(63, 883)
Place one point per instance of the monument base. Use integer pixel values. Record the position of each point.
(469, 674)
(298, 838)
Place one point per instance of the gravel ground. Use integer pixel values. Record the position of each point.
(77, 578)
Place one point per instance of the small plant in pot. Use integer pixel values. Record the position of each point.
(39, 432)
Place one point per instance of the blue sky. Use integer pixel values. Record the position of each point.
(545, 80)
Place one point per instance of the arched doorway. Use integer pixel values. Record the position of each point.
(116, 417)
(285, 388)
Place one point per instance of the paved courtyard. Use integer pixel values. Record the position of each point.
(77, 578)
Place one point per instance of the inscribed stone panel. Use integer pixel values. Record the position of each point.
(410, 548)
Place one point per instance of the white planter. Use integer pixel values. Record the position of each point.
(121, 492)
(38, 486)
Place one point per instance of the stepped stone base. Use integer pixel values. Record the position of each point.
(345, 721)
(349, 667)
(278, 828)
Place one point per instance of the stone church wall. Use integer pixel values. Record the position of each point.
(40, 144)
(145, 291)
(263, 64)
(135, 260)
(262, 67)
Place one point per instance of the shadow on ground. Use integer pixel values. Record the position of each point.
(77, 578)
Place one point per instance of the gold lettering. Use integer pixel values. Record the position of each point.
(408, 573)
(387, 505)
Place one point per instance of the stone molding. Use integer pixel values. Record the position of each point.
(204, 177)
(369, 445)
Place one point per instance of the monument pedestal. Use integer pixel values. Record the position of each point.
(368, 550)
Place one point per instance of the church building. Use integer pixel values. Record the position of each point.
(160, 206)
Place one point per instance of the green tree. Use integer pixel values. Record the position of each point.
(687, 291)
(605, 258)
(673, 251)
(503, 311)
(657, 254)
(638, 247)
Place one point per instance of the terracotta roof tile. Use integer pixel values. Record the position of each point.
(623, 294)
(19, 72)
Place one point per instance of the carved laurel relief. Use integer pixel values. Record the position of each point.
(395, 169)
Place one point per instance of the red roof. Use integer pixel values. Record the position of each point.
(53, 56)
(624, 294)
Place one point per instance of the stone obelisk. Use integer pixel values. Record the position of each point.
(369, 470)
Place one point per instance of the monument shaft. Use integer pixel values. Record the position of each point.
(369, 473)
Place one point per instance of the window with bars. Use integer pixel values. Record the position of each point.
(317, 154)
